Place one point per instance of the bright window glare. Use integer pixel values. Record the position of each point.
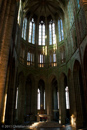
(67, 97)
(16, 99)
(60, 30)
(38, 99)
(42, 34)
(52, 38)
(31, 36)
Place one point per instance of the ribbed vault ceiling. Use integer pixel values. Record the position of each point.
(44, 7)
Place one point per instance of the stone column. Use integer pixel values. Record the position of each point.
(49, 101)
(35, 97)
(46, 96)
(27, 30)
(62, 108)
(71, 95)
(21, 100)
(3, 16)
(79, 113)
(46, 44)
(83, 4)
(72, 98)
(5, 42)
(36, 41)
(0, 4)
(25, 57)
(57, 37)
(11, 95)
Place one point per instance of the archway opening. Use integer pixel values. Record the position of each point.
(41, 95)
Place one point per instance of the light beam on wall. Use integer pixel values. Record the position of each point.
(73, 121)
(44, 49)
(55, 45)
(5, 100)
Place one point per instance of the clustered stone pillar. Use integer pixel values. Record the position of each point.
(5, 41)
(10, 95)
(49, 102)
(71, 95)
(62, 109)
(35, 99)
(83, 4)
(79, 114)
(21, 100)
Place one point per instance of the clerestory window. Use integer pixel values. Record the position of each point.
(24, 28)
(31, 37)
(52, 36)
(60, 30)
(41, 33)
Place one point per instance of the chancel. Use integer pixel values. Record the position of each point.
(43, 64)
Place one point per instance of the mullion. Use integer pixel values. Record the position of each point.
(52, 32)
(41, 34)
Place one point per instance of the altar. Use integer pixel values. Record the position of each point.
(42, 117)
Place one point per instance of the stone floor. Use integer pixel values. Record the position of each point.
(39, 126)
(49, 126)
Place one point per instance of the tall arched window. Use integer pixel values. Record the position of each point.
(41, 95)
(60, 30)
(52, 36)
(24, 28)
(54, 57)
(16, 98)
(44, 99)
(58, 99)
(70, 12)
(31, 37)
(41, 60)
(67, 97)
(38, 99)
(41, 33)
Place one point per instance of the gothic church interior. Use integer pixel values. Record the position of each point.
(43, 62)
